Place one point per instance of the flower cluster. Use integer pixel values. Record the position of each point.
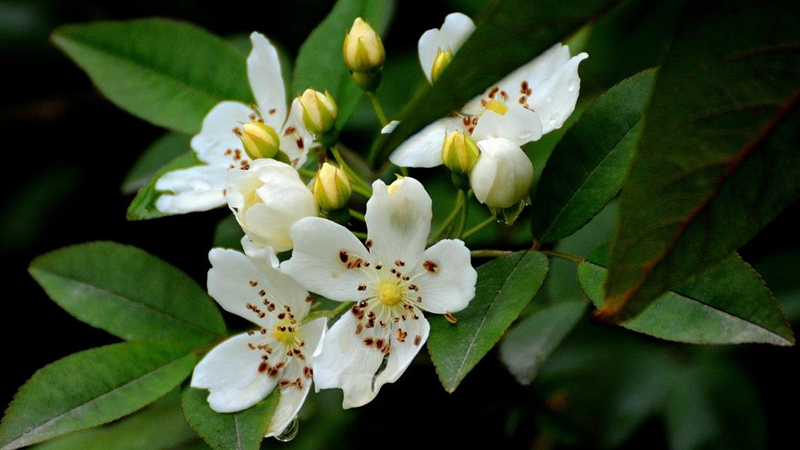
(254, 159)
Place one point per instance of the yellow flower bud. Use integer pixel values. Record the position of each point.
(332, 187)
(363, 49)
(443, 58)
(459, 152)
(319, 111)
(259, 140)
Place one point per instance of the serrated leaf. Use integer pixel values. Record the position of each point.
(588, 166)
(505, 286)
(530, 343)
(320, 63)
(729, 304)
(129, 293)
(717, 159)
(166, 72)
(242, 430)
(159, 153)
(509, 34)
(143, 206)
(91, 388)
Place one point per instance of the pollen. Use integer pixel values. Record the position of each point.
(497, 107)
(284, 333)
(390, 293)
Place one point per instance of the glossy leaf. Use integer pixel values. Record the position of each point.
(508, 35)
(143, 205)
(91, 388)
(729, 304)
(243, 430)
(505, 286)
(129, 293)
(320, 64)
(589, 164)
(717, 159)
(159, 153)
(228, 234)
(531, 342)
(158, 69)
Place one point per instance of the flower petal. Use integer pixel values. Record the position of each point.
(230, 372)
(518, 124)
(322, 252)
(266, 80)
(398, 223)
(295, 139)
(236, 280)
(424, 149)
(456, 29)
(216, 136)
(346, 362)
(197, 188)
(447, 281)
(390, 127)
(403, 351)
(554, 84)
(503, 174)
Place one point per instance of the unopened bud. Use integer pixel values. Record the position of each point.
(443, 58)
(459, 152)
(363, 49)
(259, 140)
(332, 187)
(318, 111)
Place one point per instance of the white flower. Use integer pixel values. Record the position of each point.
(201, 188)
(531, 101)
(245, 369)
(393, 279)
(503, 174)
(267, 199)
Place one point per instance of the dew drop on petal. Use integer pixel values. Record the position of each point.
(554, 119)
(548, 99)
(571, 85)
(290, 432)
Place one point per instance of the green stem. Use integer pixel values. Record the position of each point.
(376, 105)
(490, 253)
(357, 215)
(464, 215)
(467, 234)
(564, 256)
(358, 183)
(453, 214)
(359, 234)
(330, 313)
(307, 173)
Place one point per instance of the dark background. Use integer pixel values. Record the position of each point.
(66, 151)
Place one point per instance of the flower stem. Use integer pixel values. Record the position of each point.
(467, 234)
(490, 253)
(307, 173)
(376, 105)
(358, 183)
(464, 215)
(359, 234)
(357, 215)
(564, 256)
(453, 214)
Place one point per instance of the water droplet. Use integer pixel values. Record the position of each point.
(571, 86)
(554, 119)
(290, 432)
(548, 99)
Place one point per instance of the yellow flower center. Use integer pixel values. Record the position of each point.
(390, 293)
(284, 332)
(497, 107)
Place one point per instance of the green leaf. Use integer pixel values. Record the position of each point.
(320, 63)
(159, 153)
(91, 388)
(143, 206)
(780, 272)
(588, 166)
(242, 430)
(531, 342)
(717, 159)
(505, 286)
(509, 34)
(158, 69)
(729, 304)
(160, 426)
(228, 234)
(129, 293)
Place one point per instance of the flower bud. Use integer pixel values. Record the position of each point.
(259, 140)
(332, 187)
(459, 152)
(318, 111)
(363, 49)
(443, 58)
(267, 200)
(503, 174)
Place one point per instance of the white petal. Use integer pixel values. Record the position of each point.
(449, 284)
(347, 363)
(518, 124)
(424, 149)
(266, 80)
(390, 127)
(295, 139)
(399, 223)
(197, 188)
(319, 249)
(402, 353)
(502, 175)
(456, 29)
(554, 83)
(230, 372)
(216, 135)
(236, 280)
(259, 252)
(314, 336)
